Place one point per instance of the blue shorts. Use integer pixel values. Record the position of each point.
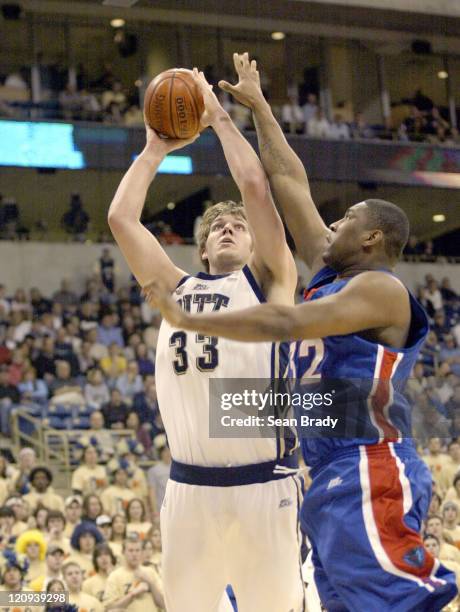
(363, 515)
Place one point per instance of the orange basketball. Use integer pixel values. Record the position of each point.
(173, 104)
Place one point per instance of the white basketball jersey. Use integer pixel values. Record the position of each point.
(185, 361)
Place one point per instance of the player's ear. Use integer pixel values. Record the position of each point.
(204, 255)
(373, 237)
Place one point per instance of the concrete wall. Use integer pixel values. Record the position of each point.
(42, 265)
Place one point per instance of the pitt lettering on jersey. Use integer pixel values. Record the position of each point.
(217, 300)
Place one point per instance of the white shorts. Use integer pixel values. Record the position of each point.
(247, 536)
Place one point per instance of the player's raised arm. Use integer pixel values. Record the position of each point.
(144, 254)
(284, 169)
(270, 247)
(371, 300)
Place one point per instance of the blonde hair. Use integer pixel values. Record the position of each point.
(227, 207)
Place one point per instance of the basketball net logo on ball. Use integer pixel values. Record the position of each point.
(173, 104)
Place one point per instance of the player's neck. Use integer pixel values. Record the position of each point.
(370, 266)
(224, 269)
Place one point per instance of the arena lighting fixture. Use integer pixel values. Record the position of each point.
(442, 74)
(278, 35)
(439, 218)
(117, 23)
(171, 205)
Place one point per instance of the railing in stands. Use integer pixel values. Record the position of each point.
(30, 431)
(54, 447)
(31, 436)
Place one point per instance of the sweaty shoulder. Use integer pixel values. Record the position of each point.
(380, 285)
(385, 293)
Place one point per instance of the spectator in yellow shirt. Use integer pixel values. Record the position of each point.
(54, 562)
(73, 577)
(115, 363)
(118, 535)
(27, 460)
(450, 521)
(12, 576)
(104, 563)
(104, 524)
(55, 525)
(447, 552)
(433, 546)
(73, 511)
(32, 544)
(38, 518)
(116, 497)
(131, 450)
(453, 492)
(92, 508)
(7, 520)
(89, 477)
(436, 459)
(41, 494)
(21, 513)
(84, 539)
(133, 587)
(136, 515)
(453, 466)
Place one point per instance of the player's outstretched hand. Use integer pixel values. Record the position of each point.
(212, 107)
(248, 90)
(157, 295)
(164, 145)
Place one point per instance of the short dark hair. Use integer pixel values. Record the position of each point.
(132, 538)
(103, 549)
(434, 516)
(41, 469)
(55, 514)
(428, 536)
(6, 512)
(394, 224)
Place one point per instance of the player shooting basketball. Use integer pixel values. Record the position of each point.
(228, 517)
(364, 510)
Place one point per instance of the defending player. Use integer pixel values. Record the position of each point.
(222, 518)
(364, 510)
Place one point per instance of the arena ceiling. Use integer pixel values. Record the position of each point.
(290, 14)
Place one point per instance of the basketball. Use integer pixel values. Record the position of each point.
(173, 104)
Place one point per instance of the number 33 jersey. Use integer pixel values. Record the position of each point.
(186, 361)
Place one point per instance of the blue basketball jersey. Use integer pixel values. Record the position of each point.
(368, 379)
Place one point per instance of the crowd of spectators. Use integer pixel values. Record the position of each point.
(426, 123)
(103, 99)
(422, 125)
(106, 99)
(97, 350)
(101, 543)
